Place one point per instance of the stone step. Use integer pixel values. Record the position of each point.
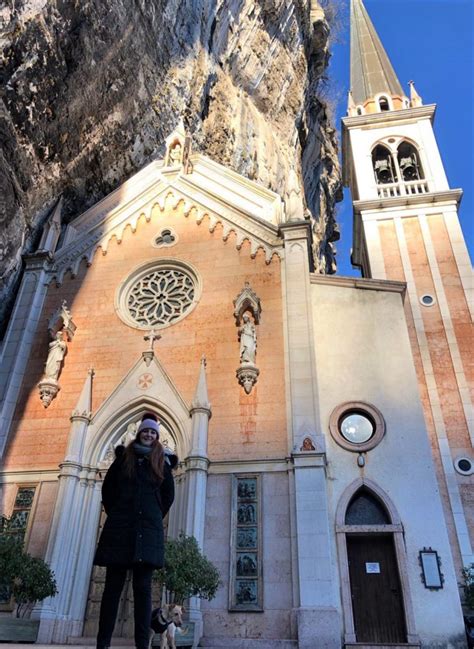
(90, 642)
(248, 643)
(374, 645)
(12, 645)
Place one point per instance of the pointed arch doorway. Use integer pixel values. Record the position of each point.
(375, 589)
(124, 433)
(124, 628)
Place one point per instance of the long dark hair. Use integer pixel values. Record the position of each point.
(157, 459)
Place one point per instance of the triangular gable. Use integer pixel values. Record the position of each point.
(144, 387)
(209, 190)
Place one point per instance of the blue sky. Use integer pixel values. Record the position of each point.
(429, 41)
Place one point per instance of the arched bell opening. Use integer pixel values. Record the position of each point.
(375, 588)
(409, 162)
(383, 165)
(383, 103)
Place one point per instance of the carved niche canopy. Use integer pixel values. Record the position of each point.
(247, 300)
(61, 320)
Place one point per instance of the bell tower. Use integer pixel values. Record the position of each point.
(406, 228)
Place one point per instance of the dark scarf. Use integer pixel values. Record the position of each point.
(140, 450)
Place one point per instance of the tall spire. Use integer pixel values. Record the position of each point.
(371, 70)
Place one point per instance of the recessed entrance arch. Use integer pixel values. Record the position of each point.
(372, 560)
(121, 429)
(73, 536)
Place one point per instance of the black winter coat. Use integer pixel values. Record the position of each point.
(135, 508)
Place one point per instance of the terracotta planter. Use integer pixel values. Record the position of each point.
(14, 629)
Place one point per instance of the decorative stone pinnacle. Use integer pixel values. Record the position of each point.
(201, 398)
(83, 409)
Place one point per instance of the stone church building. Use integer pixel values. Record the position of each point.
(323, 423)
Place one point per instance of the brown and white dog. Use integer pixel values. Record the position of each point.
(165, 621)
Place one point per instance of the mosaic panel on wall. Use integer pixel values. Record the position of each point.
(245, 583)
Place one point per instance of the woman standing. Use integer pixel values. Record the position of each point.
(137, 493)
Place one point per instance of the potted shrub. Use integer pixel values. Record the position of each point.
(187, 573)
(468, 604)
(28, 580)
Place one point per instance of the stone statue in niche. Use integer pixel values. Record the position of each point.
(49, 386)
(178, 149)
(176, 155)
(247, 315)
(56, 354)
(248, 340)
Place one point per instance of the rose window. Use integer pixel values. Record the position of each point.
(158, 295)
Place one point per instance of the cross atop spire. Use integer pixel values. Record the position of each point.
(371, 70)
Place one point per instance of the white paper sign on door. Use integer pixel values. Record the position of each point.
(372, 568)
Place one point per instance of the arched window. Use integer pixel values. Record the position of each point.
(366, 509)
(409, 162)
(360, 110)
(383, 103)
(383, 166)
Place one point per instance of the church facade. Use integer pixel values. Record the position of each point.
(321, 422)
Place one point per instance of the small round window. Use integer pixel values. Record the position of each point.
(158, 294)
(464, 466)
(356, 426)
(427, 300)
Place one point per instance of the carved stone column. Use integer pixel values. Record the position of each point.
(73, 532)
(197, 464)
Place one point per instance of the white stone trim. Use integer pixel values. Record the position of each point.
(315, 590)
(19, 338)
(242, 206)
(221, 467)
(26, 475)
(461, 254)
(381, 209)
(363, 283)
(453, 347)
(374, 250)
(461, 527)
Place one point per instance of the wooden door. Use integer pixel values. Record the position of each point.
(377, 601)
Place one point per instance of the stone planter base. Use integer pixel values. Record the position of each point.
(14, 629)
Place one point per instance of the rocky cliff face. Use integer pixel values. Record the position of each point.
(90, 90)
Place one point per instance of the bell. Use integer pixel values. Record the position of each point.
(408, 168)
(383, 171)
